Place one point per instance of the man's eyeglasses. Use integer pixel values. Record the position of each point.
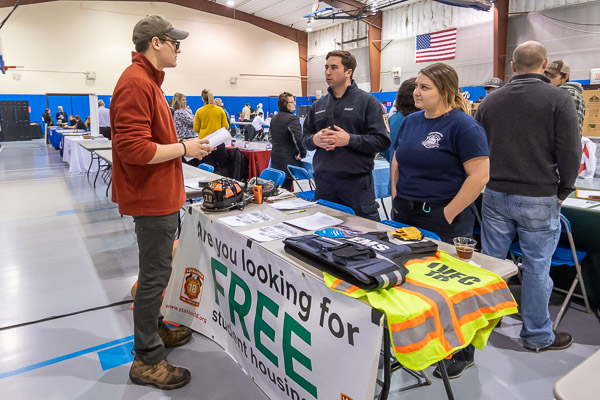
(177, 43)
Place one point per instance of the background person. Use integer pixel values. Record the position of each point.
(257, 123)
(405, 105)
(183, 117)
(61, 116)
(384, 107)
(219, 103)
(559, 73)
(489, 86)
(259, 108)
(440, 166)
(246, 113)
(245, 117)
(77, 124)
(103, 119)
(47, 117)
(208, 119)
(286, 136)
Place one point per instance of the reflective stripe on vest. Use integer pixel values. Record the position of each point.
(444, 305)
(442, 312)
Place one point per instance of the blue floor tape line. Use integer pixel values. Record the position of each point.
(65, 357)
(67, 212)
(78, 210)
(115, 356)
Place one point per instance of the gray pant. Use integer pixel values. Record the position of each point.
(155, 236)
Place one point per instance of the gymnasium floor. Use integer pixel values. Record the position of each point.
(67, 263)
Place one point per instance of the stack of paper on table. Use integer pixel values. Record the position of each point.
(273, 232)
(294, 204)
(315, 222)
(255, 217)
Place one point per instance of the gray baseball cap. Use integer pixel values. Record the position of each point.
(155, 25)
(559, 66)
(493, 83)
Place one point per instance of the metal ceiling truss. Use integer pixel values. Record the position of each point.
(354, 10)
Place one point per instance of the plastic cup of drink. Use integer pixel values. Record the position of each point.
(464, 247)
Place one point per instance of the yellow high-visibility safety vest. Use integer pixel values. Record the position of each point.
(444, 305)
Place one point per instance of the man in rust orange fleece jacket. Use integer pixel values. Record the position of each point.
(148, 185)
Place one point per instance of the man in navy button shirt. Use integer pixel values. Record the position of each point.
(347, 130)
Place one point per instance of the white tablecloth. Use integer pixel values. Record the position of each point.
(76, 156)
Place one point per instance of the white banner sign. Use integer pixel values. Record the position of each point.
(296, 338)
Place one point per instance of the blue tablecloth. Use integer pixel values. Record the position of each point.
(381, 175)
(54, 137)
(56, 134)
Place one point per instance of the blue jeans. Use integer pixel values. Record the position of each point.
(537, 221)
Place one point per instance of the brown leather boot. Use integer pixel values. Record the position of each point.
(173, 337)
(162, 375)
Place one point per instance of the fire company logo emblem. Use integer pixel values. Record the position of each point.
(345, 397)
(191, 289)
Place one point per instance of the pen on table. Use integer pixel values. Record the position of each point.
(295, 212)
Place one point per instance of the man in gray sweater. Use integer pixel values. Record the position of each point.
(535, 151)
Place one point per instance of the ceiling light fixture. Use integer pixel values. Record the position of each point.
(231, 3)
(308, 27)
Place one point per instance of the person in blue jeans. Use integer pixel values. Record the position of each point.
(535, 151)
(441, 164)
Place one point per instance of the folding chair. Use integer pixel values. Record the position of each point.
(391, 365)
(336, 206)
(299, 173)
(478, 222)
(206, 167)
(274, 175)
(569, 256)
(426, 233)
(260, 135)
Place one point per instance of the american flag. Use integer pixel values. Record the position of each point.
(436, 46)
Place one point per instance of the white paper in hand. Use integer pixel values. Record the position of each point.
(218, 137)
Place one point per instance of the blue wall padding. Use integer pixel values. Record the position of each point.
(79, 105)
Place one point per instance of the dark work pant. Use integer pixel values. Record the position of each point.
(431, 217)
(356, 192)
(155, 236)
(288, 184)
(105, 131)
